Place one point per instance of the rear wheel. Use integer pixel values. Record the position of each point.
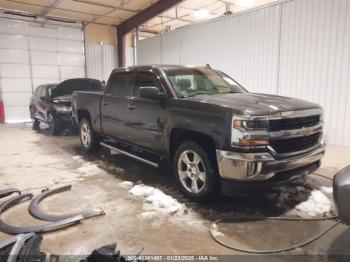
(88, 138)
(195, 172)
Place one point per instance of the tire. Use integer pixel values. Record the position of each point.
(36, 123)
(196, 175)
(54, 125)
(88, 138)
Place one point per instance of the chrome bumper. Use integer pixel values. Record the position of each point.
(261, 166)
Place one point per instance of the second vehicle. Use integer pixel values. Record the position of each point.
(51, 103)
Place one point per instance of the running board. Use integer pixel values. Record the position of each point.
(129, 154)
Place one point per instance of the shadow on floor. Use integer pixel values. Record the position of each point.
(271, 202)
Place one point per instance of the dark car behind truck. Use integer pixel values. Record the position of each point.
(217, 135)
(51, 103)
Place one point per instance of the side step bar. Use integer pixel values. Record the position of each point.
(129, 154)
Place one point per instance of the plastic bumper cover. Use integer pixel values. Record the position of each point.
(245, 167)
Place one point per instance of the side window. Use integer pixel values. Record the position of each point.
(38, 91)
(121, 84)
(144, 79)
(43, 91)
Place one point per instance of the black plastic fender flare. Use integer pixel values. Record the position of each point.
(39, 228)
(34, 210)
(8, 191)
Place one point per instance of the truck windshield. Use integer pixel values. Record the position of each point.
(195, 81)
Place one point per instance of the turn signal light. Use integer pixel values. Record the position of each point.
(248, 142)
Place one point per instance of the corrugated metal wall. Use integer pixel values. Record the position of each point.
(298, 48)
(315, 59)
(129, 56)
(100, 60)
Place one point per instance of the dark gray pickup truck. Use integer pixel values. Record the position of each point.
(218, 135)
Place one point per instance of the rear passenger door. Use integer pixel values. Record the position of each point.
(114, 103)
(146, 117)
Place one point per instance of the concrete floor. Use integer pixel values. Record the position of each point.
(32, 161)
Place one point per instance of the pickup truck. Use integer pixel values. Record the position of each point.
(218, 136)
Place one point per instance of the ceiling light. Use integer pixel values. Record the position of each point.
(202, 13)
(245, 3)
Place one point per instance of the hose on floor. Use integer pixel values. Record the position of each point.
(271, 251)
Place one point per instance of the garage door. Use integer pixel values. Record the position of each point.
(32, 54)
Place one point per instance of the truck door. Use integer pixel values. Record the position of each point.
(114, 103)
(146, 117)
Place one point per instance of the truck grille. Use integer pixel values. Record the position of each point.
(295, 144)
(294, 123)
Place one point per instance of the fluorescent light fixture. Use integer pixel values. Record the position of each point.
(202, 14)
(245, 3)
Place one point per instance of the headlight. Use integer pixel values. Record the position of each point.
(62, 108)
(250, 131)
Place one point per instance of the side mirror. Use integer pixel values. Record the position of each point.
(152, 92)
(341, 194)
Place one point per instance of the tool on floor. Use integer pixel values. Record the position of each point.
(341, 195)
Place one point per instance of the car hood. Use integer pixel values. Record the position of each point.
(254, 103)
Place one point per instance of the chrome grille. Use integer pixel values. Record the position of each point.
(293, 123)
(295, 144)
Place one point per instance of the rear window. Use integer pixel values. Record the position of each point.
(121, 84)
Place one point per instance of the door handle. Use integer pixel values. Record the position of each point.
(105, 103)
(131, 107)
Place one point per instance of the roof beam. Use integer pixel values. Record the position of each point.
(52, 6)
(137, 20)
(145, 15)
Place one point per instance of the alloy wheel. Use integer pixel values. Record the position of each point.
(191, 171)
(85, 134)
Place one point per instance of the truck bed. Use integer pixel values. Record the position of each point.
(89, 102)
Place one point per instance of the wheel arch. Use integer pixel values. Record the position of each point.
(82, 113)
(179, 135)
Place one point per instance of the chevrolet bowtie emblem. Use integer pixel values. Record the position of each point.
(306, 131)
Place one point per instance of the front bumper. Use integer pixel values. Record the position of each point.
(253, 167)
(64, 116)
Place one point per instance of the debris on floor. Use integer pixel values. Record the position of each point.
(57, 222)
(88, 169)
(327, 190)
(157, 199)
(215, 231)
(24, 247)
(317, 205)
(126, 184)
(109, 253)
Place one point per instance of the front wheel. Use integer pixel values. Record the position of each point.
(88, 138)
(195, 172)
(54, 125)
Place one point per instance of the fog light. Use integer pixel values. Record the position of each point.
(251, 169)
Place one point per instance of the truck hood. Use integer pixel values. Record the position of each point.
(255, 104)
